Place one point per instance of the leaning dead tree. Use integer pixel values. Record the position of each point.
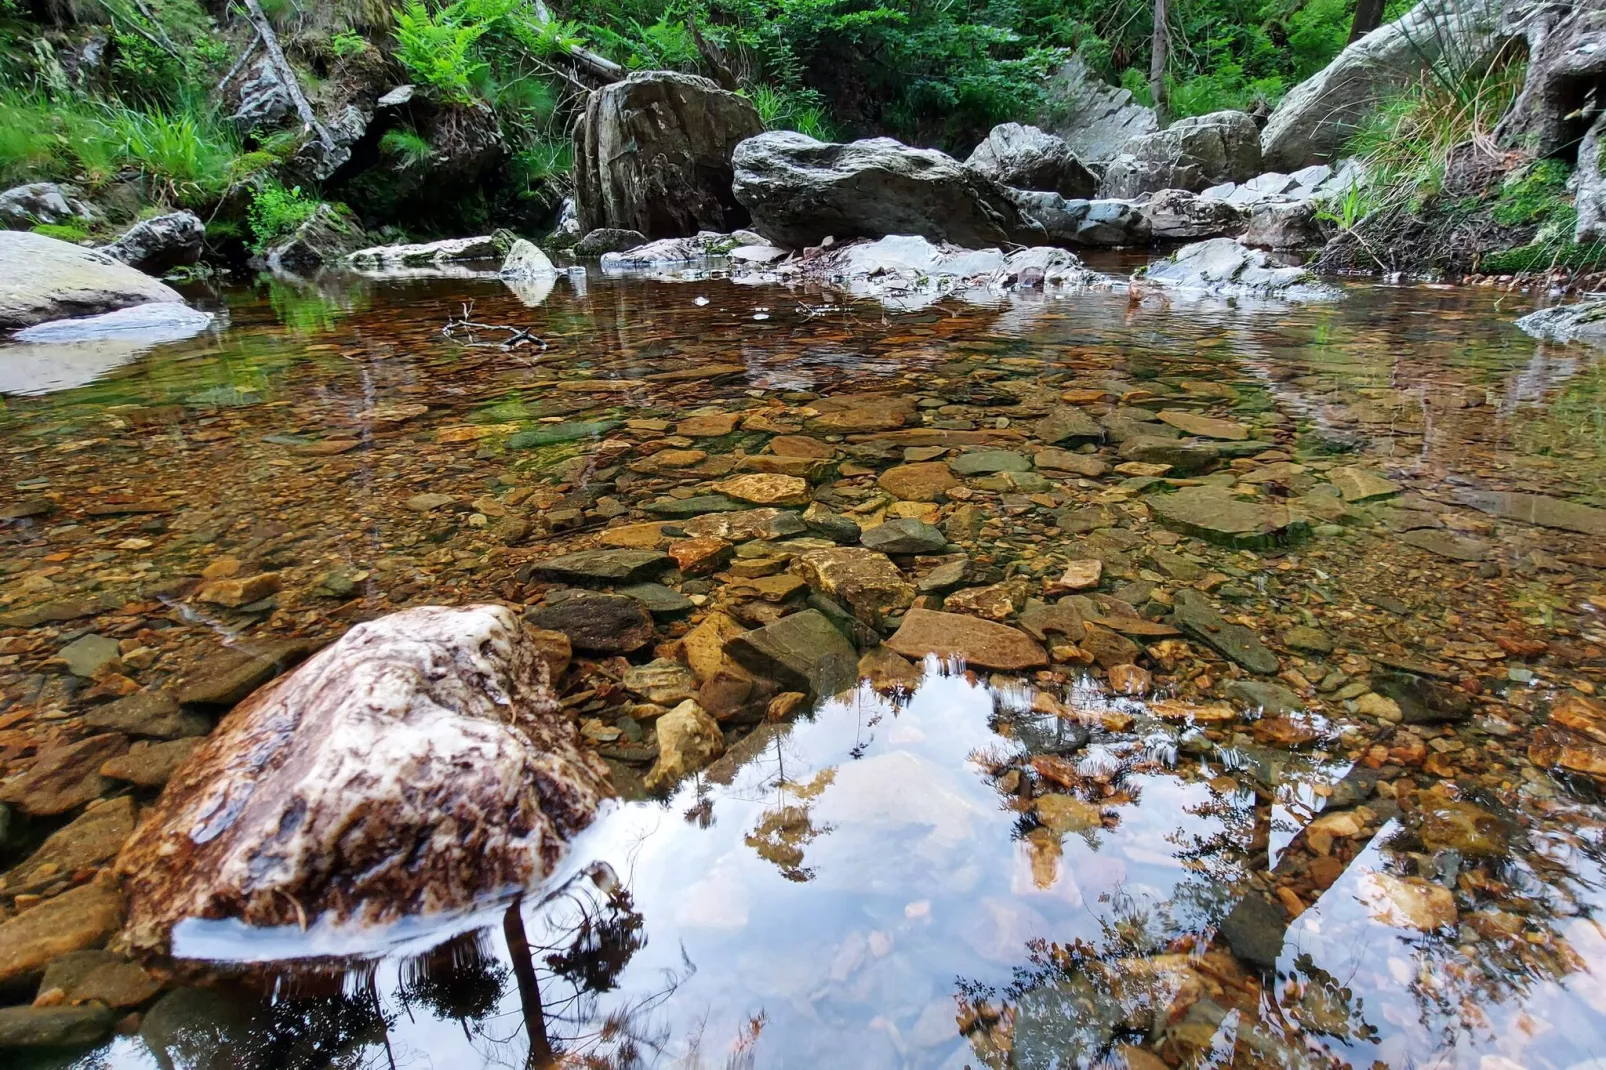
(270, 42)
(600, 68)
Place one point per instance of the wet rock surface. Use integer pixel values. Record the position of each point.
(1226, 267)
(1027, 158)
(1191, 154)
(161, 243)
(44, 279)
(481, 785)
(801, 191)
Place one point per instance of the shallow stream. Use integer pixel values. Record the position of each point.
(940, 867)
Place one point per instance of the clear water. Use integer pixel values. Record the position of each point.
(874, 885)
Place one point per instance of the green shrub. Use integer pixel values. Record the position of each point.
(276, 212)
(439, 49)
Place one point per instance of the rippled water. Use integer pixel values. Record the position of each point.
(882, 882)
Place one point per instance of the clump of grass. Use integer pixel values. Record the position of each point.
(800, 110)
(31, 143)
(188, 154)
(407, 147)
(1407, 144)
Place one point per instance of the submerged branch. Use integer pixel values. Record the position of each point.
(517, 336)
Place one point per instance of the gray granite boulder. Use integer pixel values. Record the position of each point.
(1320, 114)
(801, 191)
(1093, 118)
(653, 154)
(45, 279)
(161, 243)
(1582, 321)
(1176, 215)
(414, 766)
(42, 202)
(325, 237)
(1283, 225)
(1028, 158)
(1192, 154)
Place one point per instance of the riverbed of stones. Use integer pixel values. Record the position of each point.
(700, 559)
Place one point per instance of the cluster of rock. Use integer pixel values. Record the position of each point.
(1200, 177)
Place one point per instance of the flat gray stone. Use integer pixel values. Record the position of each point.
(88, 654)
(660, 601)
(594, 621)
(1536, 509)
(986, 462)
(148, 713)
(55, 1027)
(1185, 458)
(1263, 695)
(1211, 513)
(801, 652)
(1444, 544)
(904, 536)
(682, 508)
(607, 566)
(1194, 614)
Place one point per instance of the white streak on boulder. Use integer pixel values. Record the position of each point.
(415, 766)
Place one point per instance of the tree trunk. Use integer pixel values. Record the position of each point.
(1368, 17)
(287, 75)
(1158, 57)
(518, 950)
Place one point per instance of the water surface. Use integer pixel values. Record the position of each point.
(881, 883)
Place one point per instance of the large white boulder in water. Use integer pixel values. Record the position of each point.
(63, 354)
(1582, 321)
(417, 765)
(1026, 157)
(1227, 268)
(1192, 154)
(45, 279)
(802, 191)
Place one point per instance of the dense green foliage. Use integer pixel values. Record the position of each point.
(487, 140)
(939, 72)
(276, 211)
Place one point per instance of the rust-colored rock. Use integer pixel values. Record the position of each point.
(416, 765)
(979, 642)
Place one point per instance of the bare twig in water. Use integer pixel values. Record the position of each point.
(516, 336)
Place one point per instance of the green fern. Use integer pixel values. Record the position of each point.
(407, 147)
